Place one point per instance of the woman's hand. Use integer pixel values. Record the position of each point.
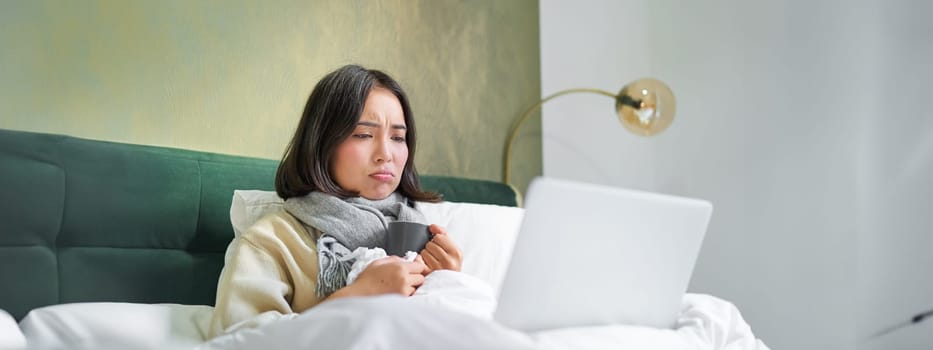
(440, 253)
(385, 276)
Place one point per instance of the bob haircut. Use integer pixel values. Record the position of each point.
(329, 117)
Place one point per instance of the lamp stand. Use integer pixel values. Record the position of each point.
(506, 176)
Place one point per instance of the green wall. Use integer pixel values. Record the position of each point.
(232, 76)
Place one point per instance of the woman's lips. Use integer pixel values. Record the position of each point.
(384, 177)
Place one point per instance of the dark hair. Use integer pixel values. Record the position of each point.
(329, 117)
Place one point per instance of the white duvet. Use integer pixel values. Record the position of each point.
(454, 311)
(451, 311)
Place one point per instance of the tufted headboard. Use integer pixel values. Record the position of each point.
(84, 220)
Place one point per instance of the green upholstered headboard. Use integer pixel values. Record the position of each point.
(84, 220)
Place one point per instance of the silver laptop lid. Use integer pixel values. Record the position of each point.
(594, 255)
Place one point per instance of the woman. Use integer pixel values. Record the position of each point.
(347, 172)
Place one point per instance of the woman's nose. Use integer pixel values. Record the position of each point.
(381, 153)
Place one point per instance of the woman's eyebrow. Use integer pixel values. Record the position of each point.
(377, 125)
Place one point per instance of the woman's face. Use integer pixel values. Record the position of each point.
(371, 159)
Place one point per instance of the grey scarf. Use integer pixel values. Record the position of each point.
(347, 224)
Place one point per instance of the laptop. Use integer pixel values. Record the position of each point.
(589, 255)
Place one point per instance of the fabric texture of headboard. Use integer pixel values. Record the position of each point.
(85, 220)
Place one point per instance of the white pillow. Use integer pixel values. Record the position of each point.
(116, 326)
(485, 233)
(11, 338)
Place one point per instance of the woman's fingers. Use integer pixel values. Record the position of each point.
(444, 241)
(427, 269)
(445, 260)
(437, 230)
(390, 275)
(415, 279)
(446, 244)
(436, 250)
(431, 260)
(441, 253)
(416, 266)
(386, 260)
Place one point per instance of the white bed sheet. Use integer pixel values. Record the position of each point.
(391, 322)
(11, 338)
(453, 312)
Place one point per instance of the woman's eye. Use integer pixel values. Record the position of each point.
(398, 138)
(362, 136)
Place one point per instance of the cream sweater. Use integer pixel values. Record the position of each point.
(270, 272)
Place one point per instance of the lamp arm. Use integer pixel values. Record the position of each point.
(518, 123)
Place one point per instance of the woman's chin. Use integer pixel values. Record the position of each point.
(377, 194)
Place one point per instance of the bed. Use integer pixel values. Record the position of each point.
(111, 245)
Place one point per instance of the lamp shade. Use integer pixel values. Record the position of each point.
(646, 106)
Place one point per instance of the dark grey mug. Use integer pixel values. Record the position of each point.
(405, 236)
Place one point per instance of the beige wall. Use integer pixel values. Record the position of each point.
(232, 76)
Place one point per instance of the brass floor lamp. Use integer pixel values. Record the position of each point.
(645, 107)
